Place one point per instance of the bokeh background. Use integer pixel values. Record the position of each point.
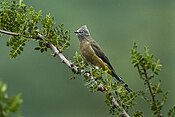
(115, 24)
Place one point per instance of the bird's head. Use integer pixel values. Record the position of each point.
(83, 32)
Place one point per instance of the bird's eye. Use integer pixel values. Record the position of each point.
(81, 32)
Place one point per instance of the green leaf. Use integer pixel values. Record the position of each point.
(14, 103)
(138, 114)
(42, 50)
(171, 112)
(8, 104)
(37, 48)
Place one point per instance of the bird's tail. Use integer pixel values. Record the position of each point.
(121, 81)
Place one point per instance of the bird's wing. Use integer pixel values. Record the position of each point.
(98, 51)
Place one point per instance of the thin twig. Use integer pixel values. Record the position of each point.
(151, 91)
(9, 33)
(149, 86)
(75, 68)
(146, 78)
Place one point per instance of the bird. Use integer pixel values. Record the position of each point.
(93, 54)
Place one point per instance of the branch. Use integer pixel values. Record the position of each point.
(73, 67)
(9, 33)
(149, 86)
(151, 91)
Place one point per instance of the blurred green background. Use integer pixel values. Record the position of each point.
(115, 25)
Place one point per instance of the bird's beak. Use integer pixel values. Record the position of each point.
(77, 32)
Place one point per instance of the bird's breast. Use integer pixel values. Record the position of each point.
(89, 54)
(86, 50)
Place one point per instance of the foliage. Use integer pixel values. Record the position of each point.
(148, 67)
(26, 24)
(8, 105)
(171, 112)
(112, 90)
(18, 18)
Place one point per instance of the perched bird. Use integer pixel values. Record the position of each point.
(93, 54)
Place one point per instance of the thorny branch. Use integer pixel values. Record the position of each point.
(73, 67)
